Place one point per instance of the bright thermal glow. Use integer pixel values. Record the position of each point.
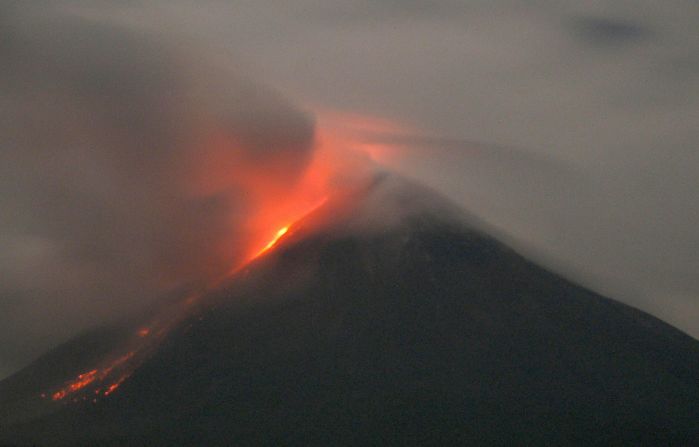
(276, 238)
(96, 375)
(276, 204)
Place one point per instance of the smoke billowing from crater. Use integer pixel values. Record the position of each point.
(129, 168)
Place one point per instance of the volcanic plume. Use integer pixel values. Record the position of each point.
(134, 166)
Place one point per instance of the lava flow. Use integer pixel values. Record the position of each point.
(272, 217)
(106, 379)
(284, 230)
(95, 375)
(116, 371)
(276, 238)
(80, 382)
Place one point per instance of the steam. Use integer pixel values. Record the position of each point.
(129, 168)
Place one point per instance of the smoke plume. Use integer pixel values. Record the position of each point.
(129, 168)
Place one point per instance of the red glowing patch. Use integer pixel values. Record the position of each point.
(95, 375)
(299, 214)
(275, 205)
(276, 238)
(115, 385)
(80, 382)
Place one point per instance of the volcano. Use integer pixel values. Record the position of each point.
(386, 316)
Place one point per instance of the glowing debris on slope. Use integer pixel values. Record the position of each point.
(85, 379)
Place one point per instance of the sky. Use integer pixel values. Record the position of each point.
(569, 126)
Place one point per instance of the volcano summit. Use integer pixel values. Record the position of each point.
(383, 317)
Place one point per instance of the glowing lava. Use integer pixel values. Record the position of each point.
(222, 171)
(96, 375)
(277, 205)
(298, 216)
(80, 382)
(105, 380)
(276, 238)
(115, 385)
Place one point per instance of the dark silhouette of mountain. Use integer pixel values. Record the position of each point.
(392, 320)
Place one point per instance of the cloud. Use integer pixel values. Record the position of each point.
(608, 32)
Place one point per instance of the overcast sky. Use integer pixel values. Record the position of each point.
(572, 126)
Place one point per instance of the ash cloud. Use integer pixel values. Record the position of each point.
(110, 132)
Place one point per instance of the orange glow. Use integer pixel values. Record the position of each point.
(95, 375)
(285, 229)
(275, 196)
(80, 382)
(276, 238)
(115, 385)
(260, 194)
(272, 192)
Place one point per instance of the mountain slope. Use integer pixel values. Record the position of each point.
(390, 322)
